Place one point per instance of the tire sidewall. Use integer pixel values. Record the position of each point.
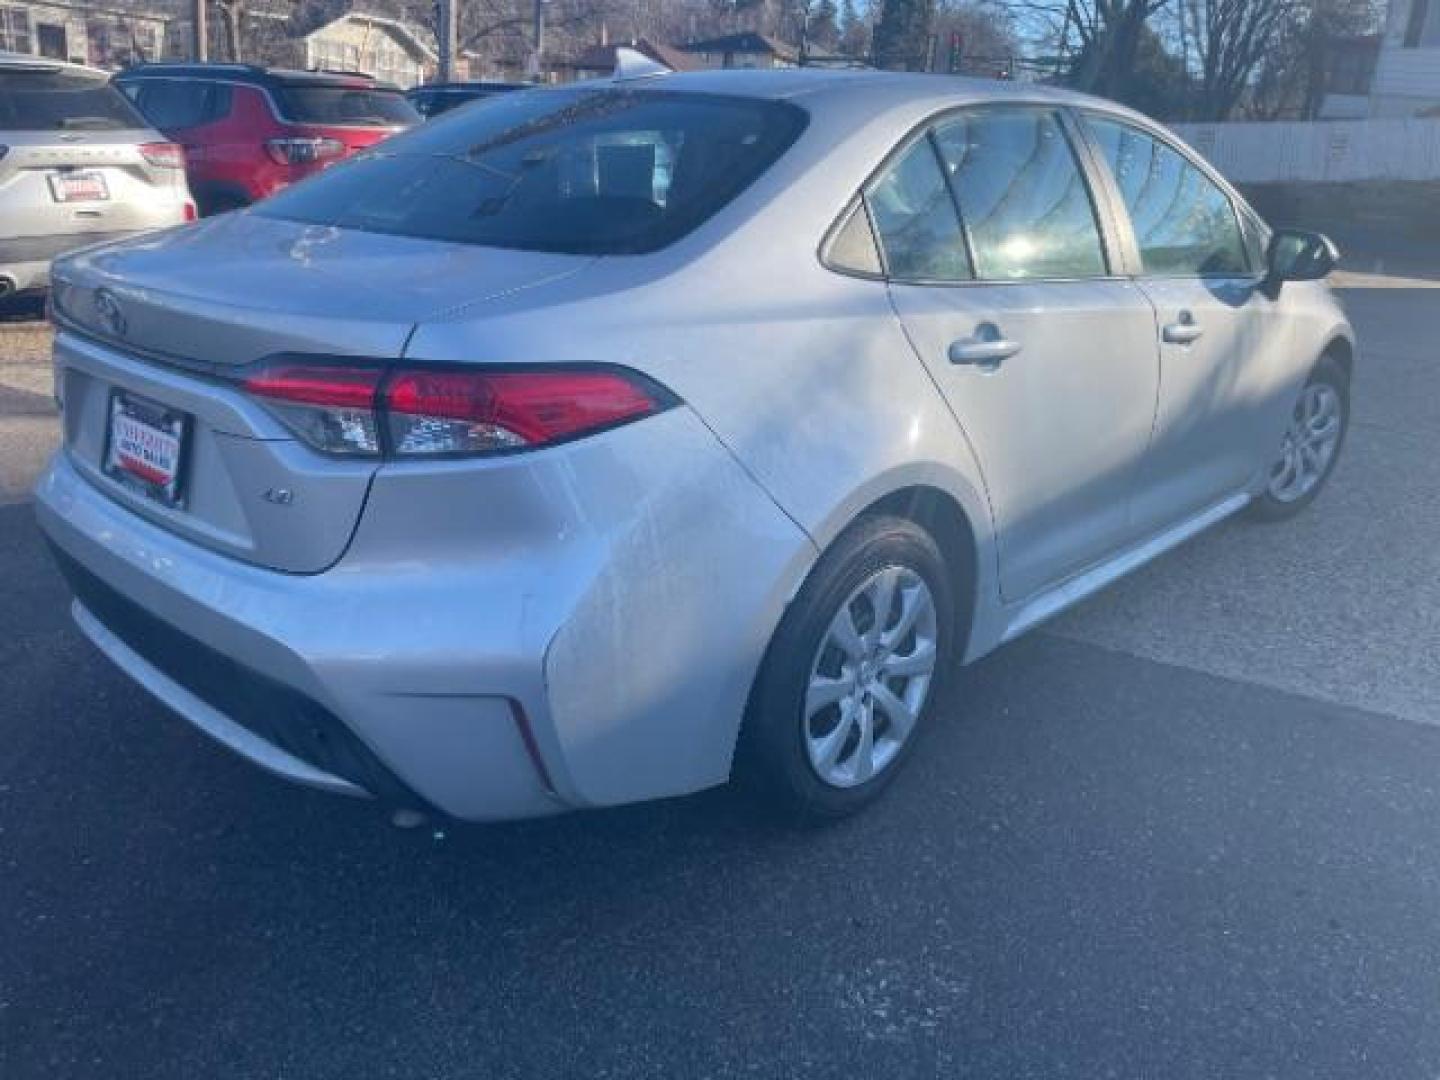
(772, 739)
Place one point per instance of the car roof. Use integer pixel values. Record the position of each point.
(867, 90)
(19, 62)
(258, 76)
(473, 85)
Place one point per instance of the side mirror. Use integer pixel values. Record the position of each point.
(1296, 255)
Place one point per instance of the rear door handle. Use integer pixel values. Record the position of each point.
(1184, 332)
(983, 352)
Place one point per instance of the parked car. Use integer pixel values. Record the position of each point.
(482, 476)
(248, 131)
(436, 98)
(77, 166)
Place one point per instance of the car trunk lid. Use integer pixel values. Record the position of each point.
(174, 320)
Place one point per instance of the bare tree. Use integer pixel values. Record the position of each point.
(986, 33)
(1232, 39)
(1110, 32)
(1097, 41)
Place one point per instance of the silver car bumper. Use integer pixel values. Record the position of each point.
(585, 668)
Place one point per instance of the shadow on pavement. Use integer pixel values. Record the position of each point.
(1096, 865)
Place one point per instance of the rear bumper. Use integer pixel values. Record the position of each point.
(266, 663)
(547, 651)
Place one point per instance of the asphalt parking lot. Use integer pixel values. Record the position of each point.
(1188, 830)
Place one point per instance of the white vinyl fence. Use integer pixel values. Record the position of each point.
(1321, 151)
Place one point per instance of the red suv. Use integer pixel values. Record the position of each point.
(250, 131)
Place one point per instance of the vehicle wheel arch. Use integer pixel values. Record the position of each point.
(212, 197)
(945, 505)
(1341, 349)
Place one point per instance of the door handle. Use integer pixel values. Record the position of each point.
(985, 351)
(1185, 331)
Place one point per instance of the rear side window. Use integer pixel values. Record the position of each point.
(180, 103)
(915, 219)
(1023, 196)
(62, 101)
(1184, 223)
(575, 171)
(347, 106)
(852, 247)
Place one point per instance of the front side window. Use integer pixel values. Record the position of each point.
(585, 172)
(1184, 223)
(1022, 195)
(915, 219)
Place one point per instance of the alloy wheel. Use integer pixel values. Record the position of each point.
(870, 678)
(1310, 444)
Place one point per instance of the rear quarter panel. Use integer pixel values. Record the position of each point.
(804, 374)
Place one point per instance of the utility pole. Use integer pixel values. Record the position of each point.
(448, 33)
(199, 17)
(539, 40)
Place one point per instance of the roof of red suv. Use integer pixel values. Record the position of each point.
(258, 76)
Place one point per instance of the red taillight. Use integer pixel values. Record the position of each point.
(464, 412)
(191, 214)
(303, 151)
(413, 412)
(329, 406)
(163, 155)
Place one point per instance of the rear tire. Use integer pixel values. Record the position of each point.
(1312, 445)
(826, 698)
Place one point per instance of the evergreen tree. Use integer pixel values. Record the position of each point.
(902, 36)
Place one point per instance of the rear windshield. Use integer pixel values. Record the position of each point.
(62, 101)
(586, 172)
(351, 106)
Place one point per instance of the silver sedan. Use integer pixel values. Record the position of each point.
(610, 441)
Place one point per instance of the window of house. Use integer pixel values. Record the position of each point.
(15, 30)
(51, 42)
(97, 37)
(1023, 196)
(145, 42)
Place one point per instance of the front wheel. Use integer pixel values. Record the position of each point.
(1311, 447)
(850, 676)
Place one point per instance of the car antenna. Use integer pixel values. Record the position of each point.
(633, 64)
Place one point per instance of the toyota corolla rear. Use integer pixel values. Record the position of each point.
(502, 584)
